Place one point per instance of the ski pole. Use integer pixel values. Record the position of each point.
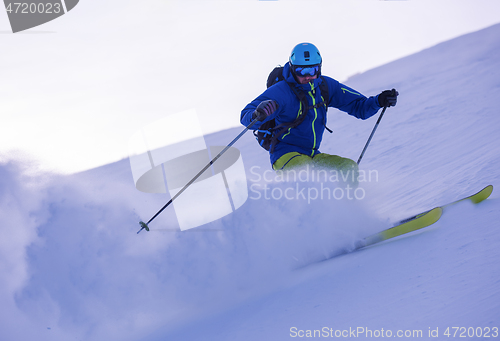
(371, 135)
(144, 226)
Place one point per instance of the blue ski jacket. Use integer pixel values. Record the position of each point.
(306, 137)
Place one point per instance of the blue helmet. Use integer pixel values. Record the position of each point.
(305, 54)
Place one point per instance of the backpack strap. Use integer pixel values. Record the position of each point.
(279, 130)
(325, 93)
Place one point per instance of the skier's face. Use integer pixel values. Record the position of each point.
(306, 74)
(306, 79)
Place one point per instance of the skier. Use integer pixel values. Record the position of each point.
(298, 145)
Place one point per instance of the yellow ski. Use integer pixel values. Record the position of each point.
(421, 220)
(475, 198)
(424, 220)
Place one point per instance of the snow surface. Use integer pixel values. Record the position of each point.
(73, 267)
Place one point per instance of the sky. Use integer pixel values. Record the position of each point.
(75, 90)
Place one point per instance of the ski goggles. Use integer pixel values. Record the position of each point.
(306, 70)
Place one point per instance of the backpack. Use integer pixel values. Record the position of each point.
(268, 133)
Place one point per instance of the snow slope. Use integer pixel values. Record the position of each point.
(72, 267)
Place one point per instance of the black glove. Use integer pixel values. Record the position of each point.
(264, 109)
(388, 98)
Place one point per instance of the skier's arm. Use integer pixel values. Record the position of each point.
(247, 114)
(351, 101)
